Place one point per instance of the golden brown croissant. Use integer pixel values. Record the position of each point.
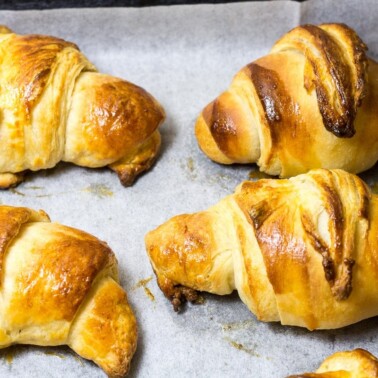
(303, 251)
(60, 286)
(310, 103)
(357, 363)
(55, 106)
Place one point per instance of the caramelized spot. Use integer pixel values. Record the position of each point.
(283, 116)
(320, 246)
(340, 123)
(39, 55)
(52, 287)
(221, 124)
(339, 83)
(343, 286)
(272, 95)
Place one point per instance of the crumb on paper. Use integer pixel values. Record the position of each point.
(143, 283)
(149, 294)
(247, 324)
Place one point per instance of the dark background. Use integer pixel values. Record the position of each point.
(49, 4)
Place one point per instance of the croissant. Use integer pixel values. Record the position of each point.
(302, 251)
(357, 363)
(56, 107)
(60, 286)
(310, 103)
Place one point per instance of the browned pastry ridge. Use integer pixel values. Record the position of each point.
(60, 286)
(302, 251)
(357, 363)
(310, 103)
(55, 106)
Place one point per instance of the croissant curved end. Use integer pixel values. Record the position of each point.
(113, 122)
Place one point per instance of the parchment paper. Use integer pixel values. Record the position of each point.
(185, 56)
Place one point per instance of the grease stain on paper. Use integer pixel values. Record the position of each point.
(221, 179)
(99, 190)
(15, 191)
(143, 283)
(190, 167)
(241, 347)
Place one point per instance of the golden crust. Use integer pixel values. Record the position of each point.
(314, 271)
(30, 74)
(119, 117)
(303, 106)
(59, 286)
(57, 107)
(51, 274)
(357, 363)
(4, 29)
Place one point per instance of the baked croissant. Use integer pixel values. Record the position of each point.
(310, 103)
(60, 286)
(302, 251)
(357, 363)
(56, 107)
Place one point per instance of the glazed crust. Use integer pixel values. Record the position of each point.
(357, 363)
(60, 286)
(302, 251)
(57, 107)
(309, 103)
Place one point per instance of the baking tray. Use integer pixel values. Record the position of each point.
(185, 56)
